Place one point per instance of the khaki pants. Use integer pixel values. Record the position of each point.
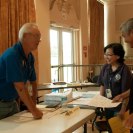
(8, 108)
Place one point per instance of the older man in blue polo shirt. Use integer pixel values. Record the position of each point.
(16, 69)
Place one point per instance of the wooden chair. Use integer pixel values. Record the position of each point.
(117, 126)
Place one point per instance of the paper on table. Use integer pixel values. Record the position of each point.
(28, 114)
(89, 83)
(24, 114)
(44, 108)
(40, 107)
(96, 101)
(81, 101)
(101, 101)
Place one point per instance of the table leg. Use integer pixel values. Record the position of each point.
(85, 128)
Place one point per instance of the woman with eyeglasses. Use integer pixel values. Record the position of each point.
(115, 78)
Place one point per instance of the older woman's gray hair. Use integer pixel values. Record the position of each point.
(127, 26)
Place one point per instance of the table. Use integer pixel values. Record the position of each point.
(58, 123)
(51, 86)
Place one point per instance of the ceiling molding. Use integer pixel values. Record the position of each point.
(117, 2)
(106, 1)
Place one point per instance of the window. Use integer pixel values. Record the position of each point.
(61, 44)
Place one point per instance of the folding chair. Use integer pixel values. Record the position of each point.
(101, 125)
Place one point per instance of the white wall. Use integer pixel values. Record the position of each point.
(43, 21)
(124, 11)
(115, 13)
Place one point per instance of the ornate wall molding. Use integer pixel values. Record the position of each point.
(62, 13)
(63, 6)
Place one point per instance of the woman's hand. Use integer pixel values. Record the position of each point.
(122, 96)
(118, 98)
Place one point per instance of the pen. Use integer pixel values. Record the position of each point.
(63, 112)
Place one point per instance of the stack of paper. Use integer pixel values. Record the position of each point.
(55, 98)
(101, 101)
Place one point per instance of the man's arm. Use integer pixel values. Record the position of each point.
(34, 91)
(27, 100)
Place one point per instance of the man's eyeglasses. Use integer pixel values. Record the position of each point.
(37, 37)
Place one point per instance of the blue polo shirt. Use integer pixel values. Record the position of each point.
(15, 67)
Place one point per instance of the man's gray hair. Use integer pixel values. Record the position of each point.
(127, 26)
(26, 28)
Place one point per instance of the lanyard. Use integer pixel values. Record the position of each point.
(108, 90)
(110, 79)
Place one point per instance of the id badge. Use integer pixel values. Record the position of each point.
(108, 93)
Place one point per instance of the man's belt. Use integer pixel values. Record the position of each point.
(4, 101)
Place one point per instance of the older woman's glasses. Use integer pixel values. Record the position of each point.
(108, 55)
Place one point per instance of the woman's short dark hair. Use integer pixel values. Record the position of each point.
(117, 49)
